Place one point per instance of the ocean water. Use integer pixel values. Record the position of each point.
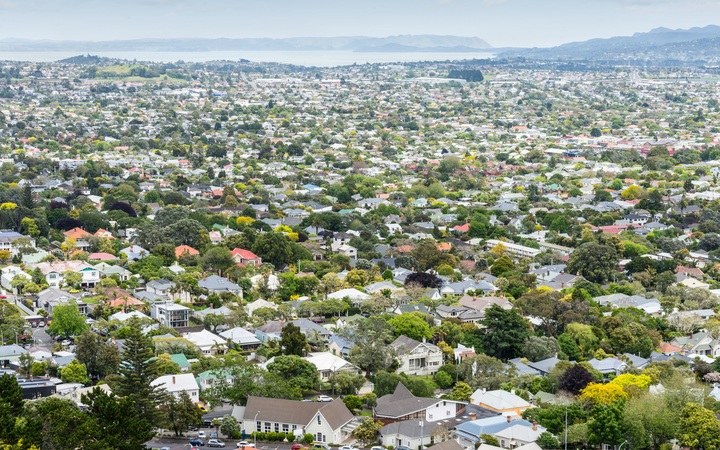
(303, 58)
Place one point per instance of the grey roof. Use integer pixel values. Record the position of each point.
(295, 412)
(411, 428)
(546, 365)
(401, 403)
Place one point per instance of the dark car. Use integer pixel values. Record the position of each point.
(198, 442)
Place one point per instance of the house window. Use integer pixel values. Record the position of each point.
(319, 437)
(285, 428)
(268, 427)
(277, 427)
(258, 426)
(319, 420)
(294, 427)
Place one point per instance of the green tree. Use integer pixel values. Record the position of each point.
(229, 426)
(296, 370)
(113, 423)
(217, 259)
(138, 371)
(274, 248)
(367, 431)
(292, 341)
(606, 426)
(165, 365)
(547, 441)
(594, 261)
(67, 320)
(352, 402)
(699, 428)
(503, 333)
(75, 372)
(370, 350)
(100, 358)
(412, 325)
(181, 413)
(11, 406)
(461, 392)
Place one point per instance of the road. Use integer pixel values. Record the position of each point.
(176, 444)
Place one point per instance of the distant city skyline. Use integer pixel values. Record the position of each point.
(502, 23)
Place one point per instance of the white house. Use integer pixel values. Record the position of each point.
(179, 383)
(417, 358)
(208, 343)
(328, 364)
(327, 422)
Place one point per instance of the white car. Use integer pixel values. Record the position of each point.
(347, 447)
(324, 398)
(201, 434)
(243, 444)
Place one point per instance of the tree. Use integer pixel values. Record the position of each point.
(274, 248)
(503, 333)
(370, 350)
(296, 370)
(67, 320)
(603, 394)
(367, 431)
(594, 261)
(606, 426)
(72, 279)
(75, 372)
(11, 406)
(113, 423)
(461, 392)
(165, 365)
(217, 259)
(547, 441)
(412, 325)
(292, 341)
(483, 371)
(699, 428)
(100, 357)
(181, 413)
(502, 266)
(423, 279)
(650, 421)
(575, 379)
(538, 348)
(229, 426)
(137, 372)
(352, 402)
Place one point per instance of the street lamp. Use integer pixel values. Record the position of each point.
(621, 445)
(256, 430)
(422, 425)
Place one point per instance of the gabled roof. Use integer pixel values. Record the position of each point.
(294, 412)
(401, 403)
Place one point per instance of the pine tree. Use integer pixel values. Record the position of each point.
(137, 372)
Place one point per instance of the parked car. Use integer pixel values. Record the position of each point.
(243, 444)
(215, 443)
(377, 447)
(347, 447)
(324, 398)
(198, 442)
(296, 447)
(320, 446)
(201, 434)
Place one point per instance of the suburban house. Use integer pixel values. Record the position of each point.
(208, 343)
(327, 422)
(500, 401)
(10, 272)
(179, 383)
(218, 285)
(54, 271)
(246, 257)
(468, 433)
(403, 405)
(185, 250)
(410, 433)
(328, 364)
(241, 338)
(9, 241)
(49, 298)
(481, 304)
(417, 358)
(80, 236)
(171, 314)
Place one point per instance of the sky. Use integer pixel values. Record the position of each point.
(502, 23)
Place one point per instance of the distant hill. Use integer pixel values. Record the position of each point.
(409, 43)
(679, 44)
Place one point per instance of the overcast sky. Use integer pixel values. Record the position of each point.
(524, 23)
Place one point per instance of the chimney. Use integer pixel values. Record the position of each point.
(473, 416)
(174, 383)
(509, 419)
(534, 426)
(475, 296)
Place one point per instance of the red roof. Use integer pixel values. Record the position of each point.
(77, 233)
(102, 256)
(462, 228)
(181, 250)
(245, 255)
